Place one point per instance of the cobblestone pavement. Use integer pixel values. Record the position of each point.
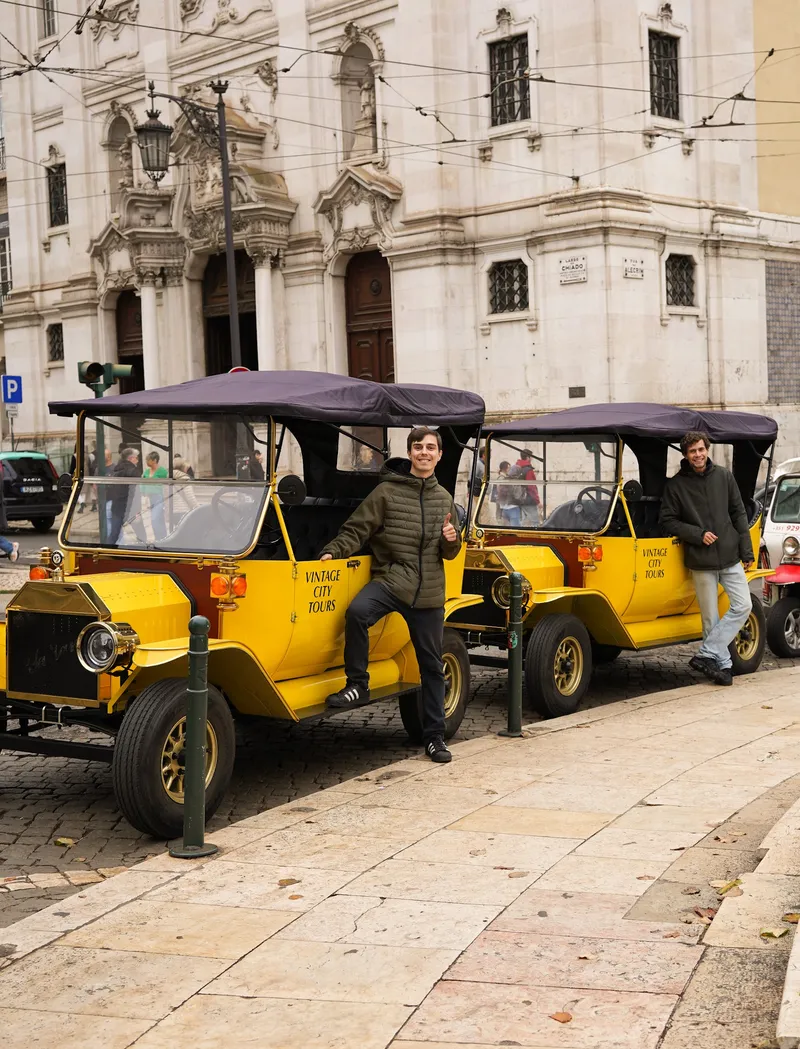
(42, 800)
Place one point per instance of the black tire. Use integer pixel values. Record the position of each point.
(747, 650)
(558, 665)
(456, 663)
(783, 627)
(602, 654)
(137, 770)
(42, 524)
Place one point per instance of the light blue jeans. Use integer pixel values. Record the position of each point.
(718, 633)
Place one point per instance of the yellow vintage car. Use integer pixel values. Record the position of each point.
(571, 500)
(219, 496)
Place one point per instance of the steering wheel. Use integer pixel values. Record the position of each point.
(271, 533)
(227, 505)
(588, 493)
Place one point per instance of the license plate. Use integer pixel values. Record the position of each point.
(31, 489)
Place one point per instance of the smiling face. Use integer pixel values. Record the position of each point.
(697, 454)
(425, 455)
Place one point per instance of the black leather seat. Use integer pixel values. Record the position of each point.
(311, 525)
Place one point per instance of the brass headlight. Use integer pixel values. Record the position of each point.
(501, 591)
(102, 647)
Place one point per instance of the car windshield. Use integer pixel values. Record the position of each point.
(182, 485)
(786, 508)
(557, 484)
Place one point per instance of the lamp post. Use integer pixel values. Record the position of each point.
(154, 144)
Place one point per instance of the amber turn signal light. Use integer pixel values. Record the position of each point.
(589, 554)
(38, 572)
(220, 586)
(239, 586)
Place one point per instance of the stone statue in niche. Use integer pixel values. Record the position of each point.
(125, 158)
(367, 100)
(366, 130)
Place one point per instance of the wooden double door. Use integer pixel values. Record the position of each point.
(370, 342)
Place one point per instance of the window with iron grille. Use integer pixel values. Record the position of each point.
(55, 342)
(5, 267)
(57, 194)
(510, 87)
(680, 280)
(665, 99)
(49, 23)
(508, 287)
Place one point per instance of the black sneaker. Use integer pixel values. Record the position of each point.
(723, 677)
(706, 666)
(349, 696)
(436, 749)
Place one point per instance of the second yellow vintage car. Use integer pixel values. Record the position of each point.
(571, 500)
(221, 496)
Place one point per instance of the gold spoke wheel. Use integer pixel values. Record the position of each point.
(568, 666)
(453, 683)
(746, 641)
(173, 759)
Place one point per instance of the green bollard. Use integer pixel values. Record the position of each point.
(194, 780)
(514, 658)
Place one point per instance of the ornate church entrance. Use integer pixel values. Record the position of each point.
(215, 311)
(370, 344)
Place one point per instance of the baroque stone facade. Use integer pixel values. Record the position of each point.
(550, 241)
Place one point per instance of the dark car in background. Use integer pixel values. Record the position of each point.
(30, 489)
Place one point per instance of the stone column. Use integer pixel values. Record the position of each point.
(147, 295)
(265, 309)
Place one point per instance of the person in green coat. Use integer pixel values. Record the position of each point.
(408, 520)
(155, 493)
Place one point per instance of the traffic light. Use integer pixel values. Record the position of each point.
(99, 377)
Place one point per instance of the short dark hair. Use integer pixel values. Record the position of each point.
(692, 437)
(504, 465)
(153, 455)
(419, 433)
(526, 454)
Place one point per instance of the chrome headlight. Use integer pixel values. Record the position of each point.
(791, 548)
(501, 591)
(103, 647)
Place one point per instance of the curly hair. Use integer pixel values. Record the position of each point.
(692, 437)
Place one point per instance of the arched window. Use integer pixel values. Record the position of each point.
(120, 159)
(359, 119)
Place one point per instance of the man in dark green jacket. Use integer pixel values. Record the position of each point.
(408, 520)
(703, 507)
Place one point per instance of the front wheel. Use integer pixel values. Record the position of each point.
(783, 627)
(747, 648)
(42, 524)
(147, 769)
(456, 691)
(558, 665)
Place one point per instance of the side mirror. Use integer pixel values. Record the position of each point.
(64, 487)
(633, 491)
(291, 490)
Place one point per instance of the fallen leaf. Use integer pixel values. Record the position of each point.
(765, 707)
(66, 842)
(477, 852)
(586, 957)
(690, 890)
(645, 877)
(728, 841)
(562, 1018)
(518, 874)
(288, 881)
(296, 896)
(705, 912)
(724, 887)
(678, 848)
(735, 891)
(773, 934)
(792, 917)
(503, 868)
(672, 935)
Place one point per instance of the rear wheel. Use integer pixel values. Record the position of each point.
(147, 770)
(42, 524)
(783, 627)
(747, 648)
(456, 691)
(558, 665)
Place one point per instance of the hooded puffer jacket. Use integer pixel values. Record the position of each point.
(402, 520)
(694, 504)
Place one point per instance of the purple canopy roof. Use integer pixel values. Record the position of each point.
(641, 419)
(315, 396)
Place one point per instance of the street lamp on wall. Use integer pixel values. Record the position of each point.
(155, 141)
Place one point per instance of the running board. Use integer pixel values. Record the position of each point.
(377, 695)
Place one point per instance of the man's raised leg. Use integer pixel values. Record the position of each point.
(367, 607)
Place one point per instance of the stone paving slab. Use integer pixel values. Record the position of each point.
(428, 906)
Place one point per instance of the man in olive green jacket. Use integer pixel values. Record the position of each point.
(407, 520)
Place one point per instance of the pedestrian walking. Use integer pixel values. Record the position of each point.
(11, 550)
(703, 507)
(505, 512)
(408, 521)
(123, 498)
(155, 493)
(525, 496)
(257, 466)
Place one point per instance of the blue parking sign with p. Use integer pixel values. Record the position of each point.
(12, 389)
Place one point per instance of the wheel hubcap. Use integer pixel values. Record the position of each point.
(568, 666)
(173, 759)
(791, 629)
(747, 639)
(453, 679)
